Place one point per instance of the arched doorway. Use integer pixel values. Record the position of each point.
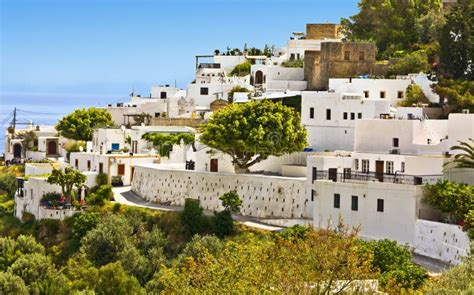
(17, 150)
(52, 148)
(258, 78)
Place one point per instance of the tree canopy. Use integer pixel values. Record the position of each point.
(164, 141)
(67, 179)
(79, 125)
(253, 131)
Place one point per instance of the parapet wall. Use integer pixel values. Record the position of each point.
(262, 196)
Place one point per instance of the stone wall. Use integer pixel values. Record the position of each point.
(340, 60)
(262, 196)
(446, 242)
(322, 31)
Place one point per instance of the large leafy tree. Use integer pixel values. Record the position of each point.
(253, 131)
(67, 179)
(164, 141)
(456, 44)
(79, 125)
(458, 93)
(390, 23)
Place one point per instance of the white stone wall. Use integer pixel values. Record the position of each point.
(45, 213)
(262, 196)
(446, 242)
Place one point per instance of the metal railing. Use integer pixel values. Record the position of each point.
(378, 177)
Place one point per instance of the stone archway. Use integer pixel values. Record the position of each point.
(258, 78)
(17, 150)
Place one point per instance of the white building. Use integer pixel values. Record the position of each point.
(330, 117)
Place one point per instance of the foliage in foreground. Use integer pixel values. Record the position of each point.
(79, 125)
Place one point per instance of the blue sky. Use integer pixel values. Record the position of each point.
(94, 51)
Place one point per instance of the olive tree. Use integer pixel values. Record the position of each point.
(253, 131)
(67, 179)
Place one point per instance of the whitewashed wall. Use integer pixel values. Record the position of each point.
(262, 196)
(446, 242)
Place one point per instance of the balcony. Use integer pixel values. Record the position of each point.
(377, 177)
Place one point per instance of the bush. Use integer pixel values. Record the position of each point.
(223, 224)
(298, 63)
(100, 196)
(8, 184)
(411, 63)
(414, 96)
(82, 223)
(242, 69)
(51, 197)
(101, 179)
(192, 217)
(11, 284)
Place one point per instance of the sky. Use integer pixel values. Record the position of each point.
(69, 53)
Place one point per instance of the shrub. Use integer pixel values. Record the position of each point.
(298, 63)
(51, 197)
(100, 196)
(12, 284)
(241, 70)
(101, 179)
(414, 96)
(414, 62)
(223, 224)
(192, 217)
(8, 184)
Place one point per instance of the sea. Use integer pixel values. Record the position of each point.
(46, 109)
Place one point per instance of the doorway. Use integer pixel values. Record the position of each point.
(17, 150)
(332, 174)
(379, 168)
(258, 78)
(52, 148)
(214, 165)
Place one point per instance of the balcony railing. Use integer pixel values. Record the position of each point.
(378, 177)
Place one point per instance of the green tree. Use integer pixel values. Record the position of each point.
(82, 223)
(11, 250)
(8, 184)
(105, 243)
(231, 201)
(100, 195)
(411, 63)
(390, 24)
(450, 197)
(67, 179)
(164, 141)
(253, 131)
(459, 93)
(394, 263)
(414, 96)
(11, 284)
(241, 70)
(79, 125)
(192, 217)
(223, 224)
(113, 280)
(456, 44)
(34, 269)
(465, 157)
(199, 246)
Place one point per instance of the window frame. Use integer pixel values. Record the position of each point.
(204, 91)
(355, 203)
(337, 201)
(380, 205)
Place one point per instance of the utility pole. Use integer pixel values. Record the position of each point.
(14, 120)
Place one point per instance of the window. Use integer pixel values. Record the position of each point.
(356, 164)
(345, 116)
(298, 56)
(337, 201)
(379, 205)
(315, 173)
(292, 56)
(347, 55)
(101, 168)
(204, 91)
(402, 168)
(389, 167)
(353, 116)
(311, 113)
(359, 115)
(400, 94)
(361, 55)
(355, 203)
(366, 93)
(395, 142)
(76, 163)
(115, 146)
(163, 94)
(313, 194)
(328, 114)
(121, 170)
(88, 165)
(382, 94)
(365, 166)
(157, 115)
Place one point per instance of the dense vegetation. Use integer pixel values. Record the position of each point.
(79, 125)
